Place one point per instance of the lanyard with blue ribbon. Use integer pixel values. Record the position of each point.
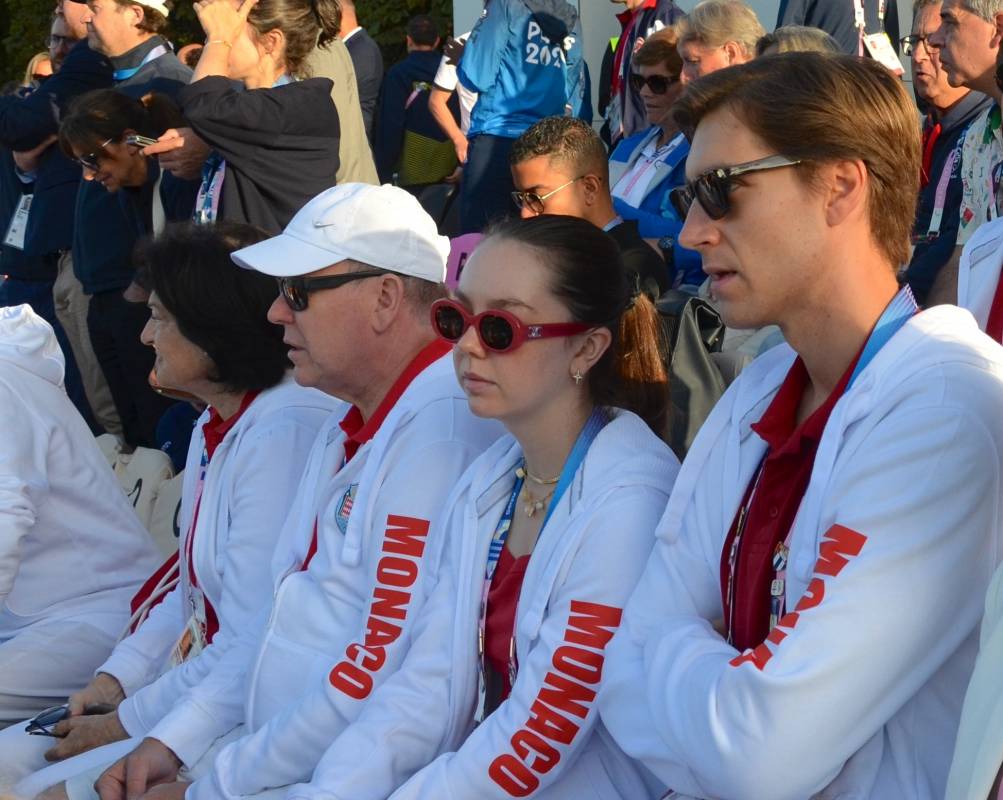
(124, 74)
(896, 314)
(213, 173)
(596, 422)
(207, 200)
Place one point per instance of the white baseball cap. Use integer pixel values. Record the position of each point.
(156, 5)
(383, 226)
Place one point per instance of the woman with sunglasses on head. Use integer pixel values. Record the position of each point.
(547, 534)
(275, 144)
(212, 340)
(646, 166)
(105, 131)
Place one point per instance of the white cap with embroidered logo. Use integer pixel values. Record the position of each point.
(382, 226)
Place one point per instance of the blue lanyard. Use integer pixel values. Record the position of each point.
(125, 74)
(595, 423)
(896, 314)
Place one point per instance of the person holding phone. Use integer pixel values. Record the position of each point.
(105, 131)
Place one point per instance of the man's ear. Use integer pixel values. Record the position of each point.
(846, 184)
(593, 185)
(736, 54)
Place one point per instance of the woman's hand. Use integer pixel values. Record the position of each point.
(221, 21)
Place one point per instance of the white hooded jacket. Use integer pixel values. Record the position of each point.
(979, 270)
(70, 544)
(253, 474)
(374, 517)
(857, 693)
(546, 735)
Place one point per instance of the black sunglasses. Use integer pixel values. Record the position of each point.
(42, 724)
(911, 42)
(296, 291)
(711, 189)
(658, 84)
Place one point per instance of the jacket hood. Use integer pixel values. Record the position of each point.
(28, 341)
(556, 18)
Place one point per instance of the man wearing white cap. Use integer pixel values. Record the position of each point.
(358, 268)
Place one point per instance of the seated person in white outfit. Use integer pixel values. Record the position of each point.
(551, 526)
(213, 341)
(808, 620)
(72, 551)
(359, 267)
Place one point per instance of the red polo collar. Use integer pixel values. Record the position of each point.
(359, 431)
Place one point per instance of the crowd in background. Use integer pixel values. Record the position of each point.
(523, 447)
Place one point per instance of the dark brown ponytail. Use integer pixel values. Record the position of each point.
(589, 277)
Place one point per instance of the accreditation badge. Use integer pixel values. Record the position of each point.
(879, 47)
(18, 223)
(193, 639)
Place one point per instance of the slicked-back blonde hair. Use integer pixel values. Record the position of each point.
(714, 23)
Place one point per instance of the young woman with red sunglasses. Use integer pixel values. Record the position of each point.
(547, 534)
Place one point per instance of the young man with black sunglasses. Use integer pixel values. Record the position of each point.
(358, 267)
(809, 617)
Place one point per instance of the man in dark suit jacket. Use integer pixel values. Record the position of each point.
(27, 127)
(559, 166)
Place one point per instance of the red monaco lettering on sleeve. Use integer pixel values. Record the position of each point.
(396, 572)
(567, 692)
(838, 546)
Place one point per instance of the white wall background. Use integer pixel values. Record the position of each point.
(599, 23)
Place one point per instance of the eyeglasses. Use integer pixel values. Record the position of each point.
(42, 724)
(534, 202)
(658, 84)
(296, 291)
(90, 160)
(499, 331)
(911, 42)
(711, 189)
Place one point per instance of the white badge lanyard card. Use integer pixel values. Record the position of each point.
(18, 223)
(193, 639)
(877, 45)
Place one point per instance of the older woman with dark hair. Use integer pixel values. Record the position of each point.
(212, 340)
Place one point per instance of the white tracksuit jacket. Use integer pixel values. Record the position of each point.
(547, 733)
(858, 693)
(979, 270)
(71, 547)
(253, 475)
(348, 615)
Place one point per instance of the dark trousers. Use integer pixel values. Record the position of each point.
(486, 192)
(115, 324)
(38, 295)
